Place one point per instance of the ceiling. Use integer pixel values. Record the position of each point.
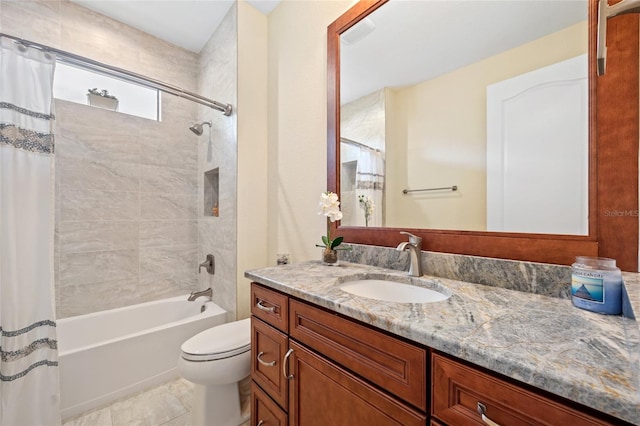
(185, 23)
(411, 41)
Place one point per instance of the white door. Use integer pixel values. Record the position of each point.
(537, 151)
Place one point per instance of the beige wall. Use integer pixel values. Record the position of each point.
(252, 148)
(441, 125)
(297, 159)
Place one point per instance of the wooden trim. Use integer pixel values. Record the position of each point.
(617, 130)
(340, 25)
(557, 249)
(613, 156)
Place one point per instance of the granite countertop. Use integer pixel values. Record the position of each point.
(543, 341)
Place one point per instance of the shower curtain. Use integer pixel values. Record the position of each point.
(370, 184)
(29, 391)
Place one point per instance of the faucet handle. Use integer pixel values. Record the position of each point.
(209, 265)
(413, 239)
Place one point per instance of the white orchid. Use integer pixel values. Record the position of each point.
(329, 206)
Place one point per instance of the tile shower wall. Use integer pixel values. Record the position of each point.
(217, 235)
(126, 197)
(126, 187)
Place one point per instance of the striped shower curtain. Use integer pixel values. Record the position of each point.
(29, 390)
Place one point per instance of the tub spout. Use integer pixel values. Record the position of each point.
(208, 293)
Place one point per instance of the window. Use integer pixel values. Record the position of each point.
(72, 84)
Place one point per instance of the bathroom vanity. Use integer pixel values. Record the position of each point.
(323, 356)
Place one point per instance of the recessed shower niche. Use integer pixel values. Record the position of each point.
(211, 194)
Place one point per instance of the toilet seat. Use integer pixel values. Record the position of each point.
(223, 341)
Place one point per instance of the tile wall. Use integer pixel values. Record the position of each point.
(127, 188)
(217, 79)
(126, 198)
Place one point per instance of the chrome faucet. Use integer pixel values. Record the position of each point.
(208, 293)
(414, 246)
(209, 265)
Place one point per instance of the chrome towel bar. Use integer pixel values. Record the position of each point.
(449, 188)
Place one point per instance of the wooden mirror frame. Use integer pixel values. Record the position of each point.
(613, 161)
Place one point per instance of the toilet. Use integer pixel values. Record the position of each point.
(215, 360)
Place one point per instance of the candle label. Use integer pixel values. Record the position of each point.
(588, 286)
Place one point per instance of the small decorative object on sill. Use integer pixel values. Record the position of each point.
(102, 99)
(330, 207)
(283, 258)
(215, 211)
(367, 205)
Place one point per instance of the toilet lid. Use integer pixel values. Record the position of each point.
(219, 342)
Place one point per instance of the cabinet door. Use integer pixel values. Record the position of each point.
(264, 411)
(394, 365)
(321, 394)
(268, 347)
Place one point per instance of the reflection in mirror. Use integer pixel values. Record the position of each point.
(491, 97)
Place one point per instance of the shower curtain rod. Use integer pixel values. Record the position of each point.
(90, 64)
(358, 144)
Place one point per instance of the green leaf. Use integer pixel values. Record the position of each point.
(325, 240)
(335, 243)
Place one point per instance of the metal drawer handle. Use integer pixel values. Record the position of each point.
(482, 410)
(265, 363)
(260, 306)
(284, 365)
(260, 423)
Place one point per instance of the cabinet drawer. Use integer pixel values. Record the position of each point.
(264, 411)
(268, 348)
(270, 306)
(458, 389)
(390, 363)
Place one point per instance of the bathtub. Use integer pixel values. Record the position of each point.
(106, 355)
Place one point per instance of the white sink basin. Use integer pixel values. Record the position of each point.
(391, 291)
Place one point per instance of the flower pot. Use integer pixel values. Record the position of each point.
(102, 102)
(330, 257)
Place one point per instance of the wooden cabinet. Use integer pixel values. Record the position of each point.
(311, 366)
(348, 375)
(460, 393)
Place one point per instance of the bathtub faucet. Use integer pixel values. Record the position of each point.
(208, 293)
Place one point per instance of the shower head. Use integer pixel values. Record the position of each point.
(197, 127)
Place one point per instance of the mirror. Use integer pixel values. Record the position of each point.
(612, 158)
(472, 116)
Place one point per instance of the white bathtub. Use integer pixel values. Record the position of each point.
(110, 354)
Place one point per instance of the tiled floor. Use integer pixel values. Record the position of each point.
(166, 405)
